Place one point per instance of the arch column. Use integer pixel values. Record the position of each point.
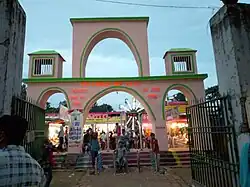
(160, 131)
(159, 125)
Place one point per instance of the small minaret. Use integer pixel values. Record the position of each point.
(45, 64)
(180, 61)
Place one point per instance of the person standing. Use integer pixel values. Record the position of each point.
(155, 152)
(117, 129)
(17, 168)
(86, 141)
(66, 137)
(103, 140)
(47, 161)
(95, 148)
(61, 137)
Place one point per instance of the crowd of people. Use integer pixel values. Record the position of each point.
(109, 140)
(18, 168)
(93, 143)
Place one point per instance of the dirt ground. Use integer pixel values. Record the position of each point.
(172, 177)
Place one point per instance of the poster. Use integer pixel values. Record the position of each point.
(75, 137)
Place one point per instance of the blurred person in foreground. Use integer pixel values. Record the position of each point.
(17, 168)
(47, 161)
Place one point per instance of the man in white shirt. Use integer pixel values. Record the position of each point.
(17, 168)
(61, 138)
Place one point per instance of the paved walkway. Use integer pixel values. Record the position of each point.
(134, 179)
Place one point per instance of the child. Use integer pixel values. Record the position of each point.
(155, 151)
(95, 148)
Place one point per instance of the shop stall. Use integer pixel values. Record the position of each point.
(53, 124)
(176, 123)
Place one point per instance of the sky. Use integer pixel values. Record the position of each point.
(48, 27)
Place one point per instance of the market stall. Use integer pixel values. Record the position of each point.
(177, 124)
(53, 124)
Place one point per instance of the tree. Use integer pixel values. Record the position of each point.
(64, 103)
(179, 97)
(212, 92)
(51, 109)
(47, 107)
(95, 107)
(101, 108)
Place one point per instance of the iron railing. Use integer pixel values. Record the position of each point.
(213, 145)
(36, 124)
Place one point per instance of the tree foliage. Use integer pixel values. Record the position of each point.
(95, 107)
(212, 92)
(63, 103)
(51, 109)
(101, 108)
(179, 97)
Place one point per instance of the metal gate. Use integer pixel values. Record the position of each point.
(36, 123)
(213, 145)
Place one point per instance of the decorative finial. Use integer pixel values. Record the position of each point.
(230, 2)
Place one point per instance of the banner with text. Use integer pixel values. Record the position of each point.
(75, 137)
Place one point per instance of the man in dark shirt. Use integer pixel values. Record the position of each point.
(86, 141)
(155, 152)
(47, 161)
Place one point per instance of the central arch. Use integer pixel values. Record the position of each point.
(109, 33)
(131, 91)
(186, 90)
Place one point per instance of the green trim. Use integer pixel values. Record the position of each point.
(109, 19)
(179, 50)
(170, 88)
(183, 72)
(119, 88)
(46, 52)
(42, 57)
(111, 79)
(105, 30)
(54, 89)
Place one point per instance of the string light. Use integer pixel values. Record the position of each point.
(158, 6)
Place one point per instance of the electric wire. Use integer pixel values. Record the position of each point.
(157, 6)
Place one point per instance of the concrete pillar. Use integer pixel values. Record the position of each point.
(159, 128)
(230, 29)
(12, 36)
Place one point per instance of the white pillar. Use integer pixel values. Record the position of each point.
(12, 36)
(231, 42)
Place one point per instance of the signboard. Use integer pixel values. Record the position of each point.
(179, 108)
(174, 111)
(116, 119)
(75, 134)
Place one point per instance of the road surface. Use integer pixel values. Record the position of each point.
(134, 179)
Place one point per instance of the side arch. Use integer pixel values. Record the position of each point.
(131, 91)
(109, 33)
(46, 93)
(187, 91)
